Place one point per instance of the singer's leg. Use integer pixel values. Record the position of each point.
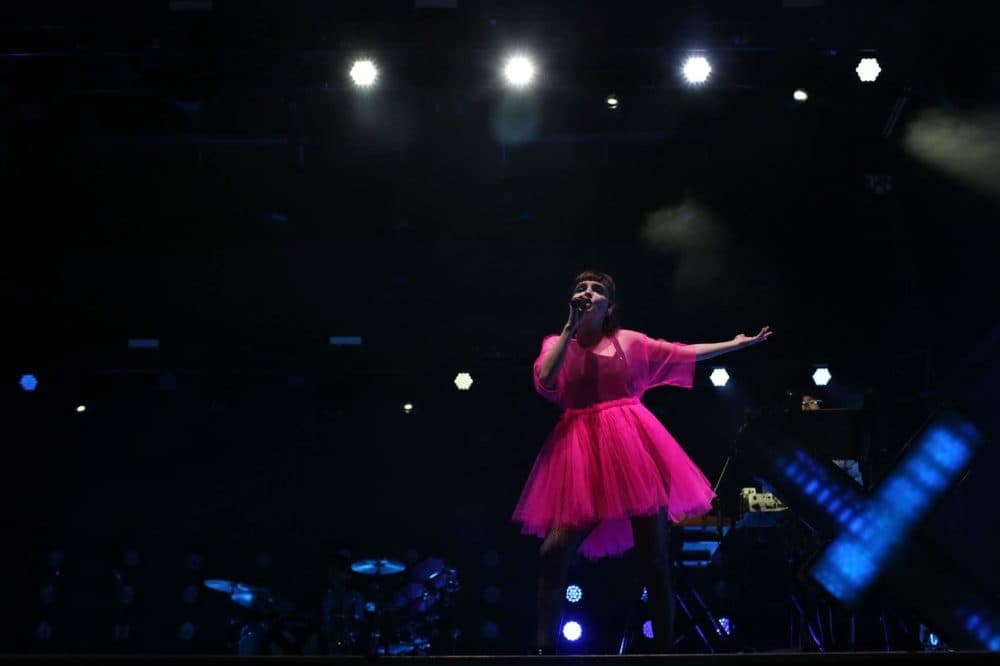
(554, 559)
(652, 544)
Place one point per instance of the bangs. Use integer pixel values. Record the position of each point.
(595, 276)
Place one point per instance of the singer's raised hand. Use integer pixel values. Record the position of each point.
(745, 340)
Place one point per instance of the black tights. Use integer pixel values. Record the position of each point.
(652, 545)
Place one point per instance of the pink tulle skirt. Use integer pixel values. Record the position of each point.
(603, 464)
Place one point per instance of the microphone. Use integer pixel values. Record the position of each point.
(578, 304)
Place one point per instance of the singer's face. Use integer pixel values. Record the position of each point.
(595, 295)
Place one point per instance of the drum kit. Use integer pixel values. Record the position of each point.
(380, 607)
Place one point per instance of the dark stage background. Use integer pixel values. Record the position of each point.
(210, 179)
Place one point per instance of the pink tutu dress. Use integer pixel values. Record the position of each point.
(609, 457)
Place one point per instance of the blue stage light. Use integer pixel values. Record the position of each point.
(28, 382)
(937, 458)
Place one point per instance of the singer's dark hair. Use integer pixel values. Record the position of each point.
(612, 322)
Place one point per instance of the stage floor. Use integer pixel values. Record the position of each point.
(739, 659)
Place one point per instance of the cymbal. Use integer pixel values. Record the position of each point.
(249, 596)
(380, 567)
(232, 587)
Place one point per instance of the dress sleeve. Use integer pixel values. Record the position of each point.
(552, 394)
(666, 363)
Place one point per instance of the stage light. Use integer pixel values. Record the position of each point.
(364, 73)
(572, 631)
(644, 597)
(696, 70)
(43, 631)
(800, 95)
(489, 631)
(574, 593)
(725, 625)
(612, 101)
(407, 407)
(126, 595)
(849, 566)
(519, 71)
(185, 632)
(80, 409)
(190, 594)
(822, 376)
(28, 382)
(647, 629)
(868, 69)
(463, 381)
(719, 377)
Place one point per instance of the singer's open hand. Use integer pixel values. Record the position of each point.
(746, 340)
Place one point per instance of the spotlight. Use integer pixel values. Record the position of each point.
(43, 631)
(612, 101)
(489, 631)
(574, 593)
(572, 631)
(719, 377)
(28, 382)
(822, 376)
(364, 73)
(190, 594)
(80, 409)
(868, 69)
(800, 95)
(185, 632)
(697, 69)
(519, 71)
(647, 629)
(463, 381)
(407, 407)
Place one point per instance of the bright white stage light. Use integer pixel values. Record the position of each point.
(519, 71)
(463, 381)
(697, 69)
(822, 376)
(407, 407)
(719, 377)
(574, 593)
(572, 631)
(800, 95)
(80, 409)
(612, 101)
(364, 73)
(868, 69)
